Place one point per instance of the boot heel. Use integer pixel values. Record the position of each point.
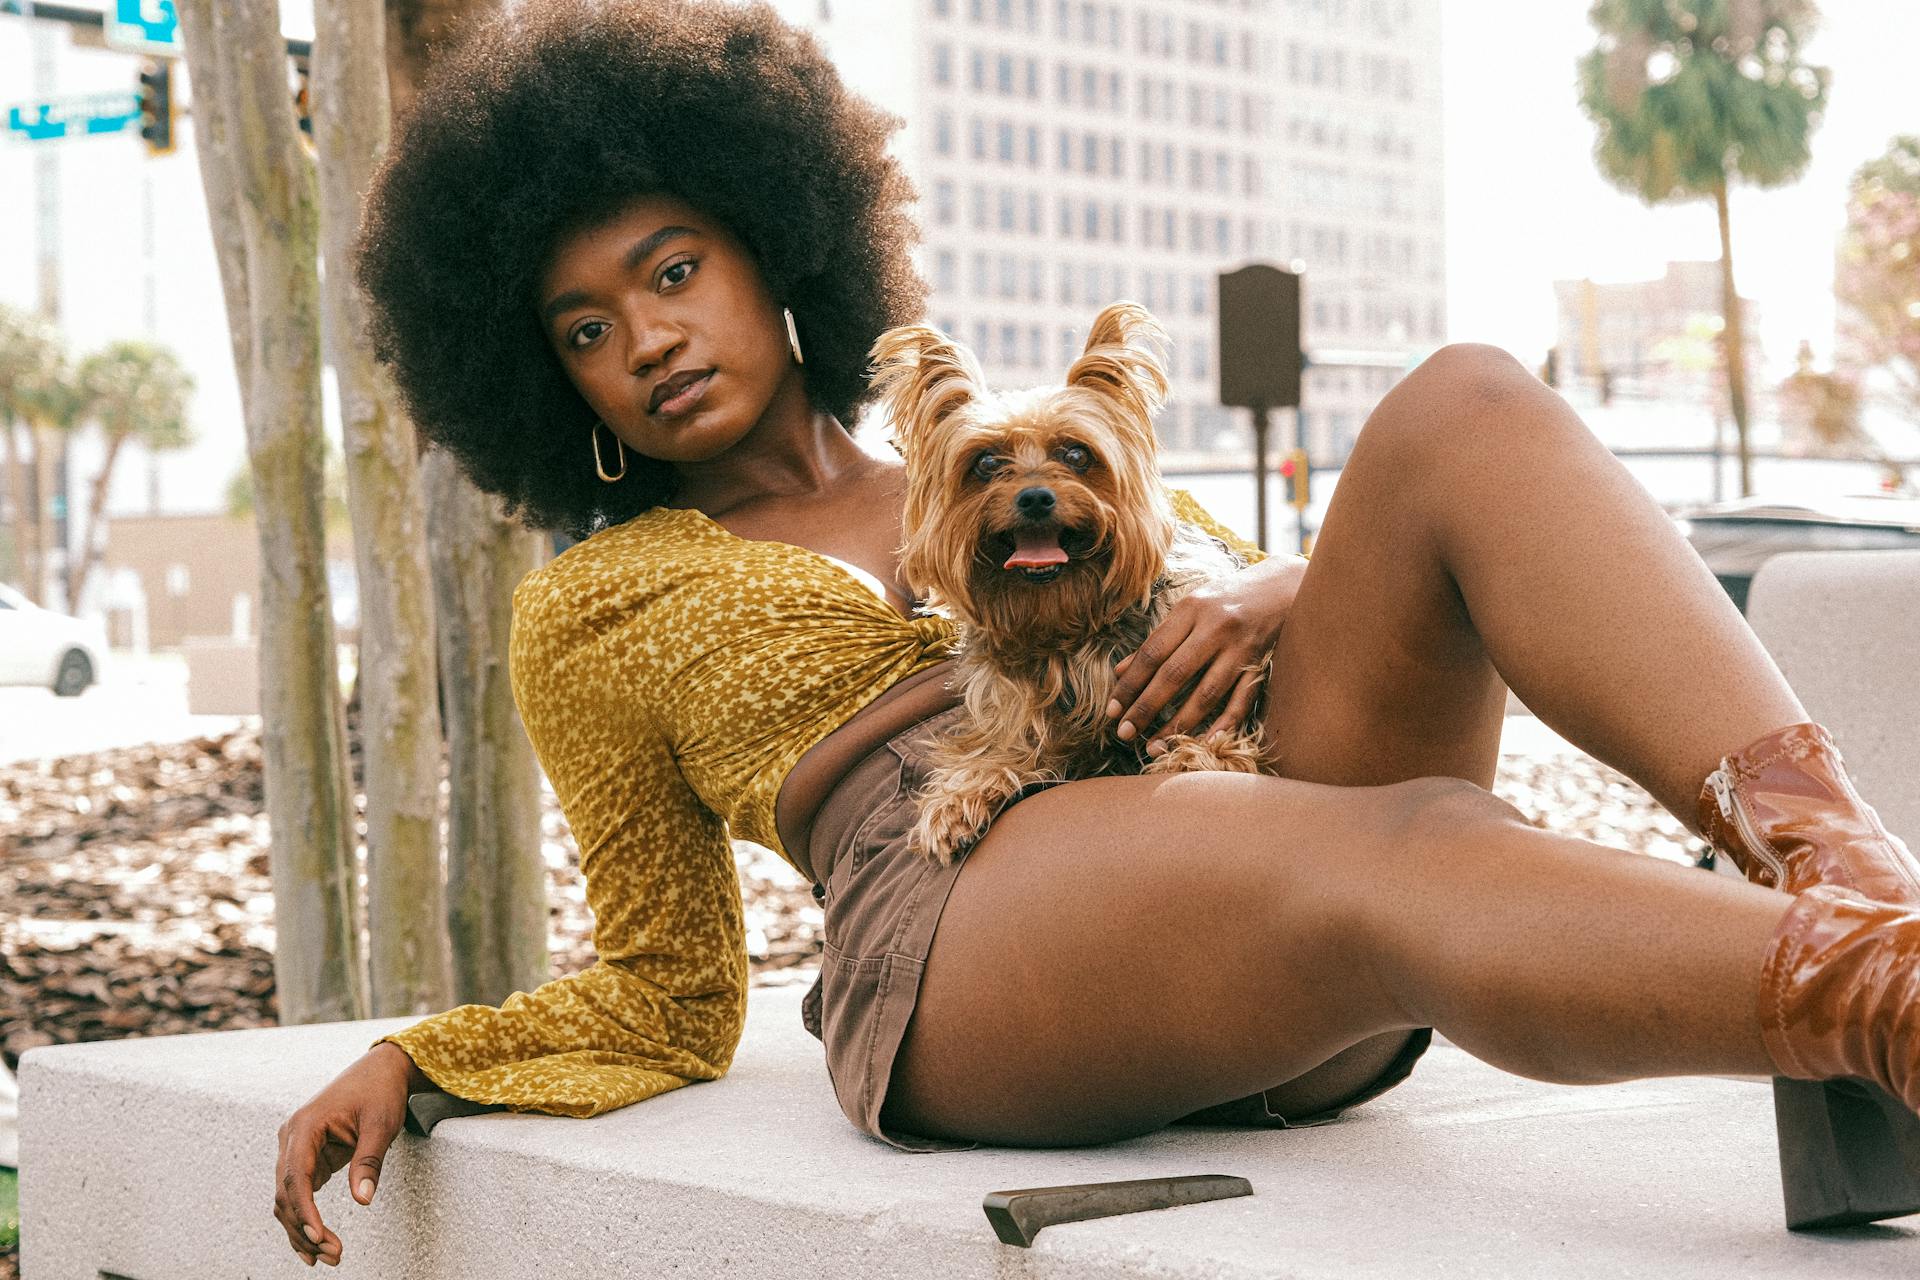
(1849, 1153)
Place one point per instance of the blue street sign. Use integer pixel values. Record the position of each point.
(144, 26)
(74, 117)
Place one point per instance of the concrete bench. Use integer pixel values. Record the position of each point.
(1844, 626)
(153, 1159)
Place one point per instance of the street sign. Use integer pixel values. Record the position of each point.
(73, 117)
(144, 26)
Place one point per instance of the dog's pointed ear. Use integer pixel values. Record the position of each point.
(922, 377)
(1124, 360)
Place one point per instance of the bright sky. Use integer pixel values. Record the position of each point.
(1526, 205)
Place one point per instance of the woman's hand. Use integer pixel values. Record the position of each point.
(351, 1121)
(1206, 653)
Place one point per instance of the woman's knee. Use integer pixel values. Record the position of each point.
(1453, 403)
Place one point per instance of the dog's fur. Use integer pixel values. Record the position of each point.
(1036, 654)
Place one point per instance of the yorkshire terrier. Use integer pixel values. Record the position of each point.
(1038, 521)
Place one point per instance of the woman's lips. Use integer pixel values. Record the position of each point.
(688, 396)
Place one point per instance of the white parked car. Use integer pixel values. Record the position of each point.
(41, 647)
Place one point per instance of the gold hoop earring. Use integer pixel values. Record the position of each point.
(793, 337)
(600, 466)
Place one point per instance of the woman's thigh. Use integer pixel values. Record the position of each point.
(1120, 952)
(1379, 675)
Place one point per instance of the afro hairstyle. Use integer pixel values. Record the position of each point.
(551, 117)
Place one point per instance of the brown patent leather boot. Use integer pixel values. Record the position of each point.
(1839, 1011)
(1784, 810)
(1840, 992)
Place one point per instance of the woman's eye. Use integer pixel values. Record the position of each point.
(1077, 457)
(684, 262)
(580, 337)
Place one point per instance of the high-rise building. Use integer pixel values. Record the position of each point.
(1069, 153)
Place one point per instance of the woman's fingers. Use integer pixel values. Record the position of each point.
(303, 1169)
(1148, 677)
(1194, 706)
(1239, 706)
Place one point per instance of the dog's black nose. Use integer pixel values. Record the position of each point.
(1034, 502)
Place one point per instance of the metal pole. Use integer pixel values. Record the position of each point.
(1260, 476)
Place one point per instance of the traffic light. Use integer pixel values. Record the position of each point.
(303, 103)
(1295, 470)
(156, 106)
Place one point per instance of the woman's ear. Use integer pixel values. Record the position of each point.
(1123, 361)
(923, 377)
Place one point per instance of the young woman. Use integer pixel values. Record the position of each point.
(626, 262)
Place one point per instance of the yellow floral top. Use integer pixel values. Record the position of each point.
(670, 673)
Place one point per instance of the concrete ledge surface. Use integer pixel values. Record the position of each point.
(152, 1159)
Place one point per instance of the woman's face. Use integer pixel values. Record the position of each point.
(655, 293)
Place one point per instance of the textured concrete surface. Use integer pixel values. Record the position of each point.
(1844, 626)
(153, 1159)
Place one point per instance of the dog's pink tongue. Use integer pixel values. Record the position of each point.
(1035, 549)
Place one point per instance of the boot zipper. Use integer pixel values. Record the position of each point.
(1736, 813)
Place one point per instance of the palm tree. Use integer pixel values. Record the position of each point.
(36, 387)
(1689, 94)
(134, 391)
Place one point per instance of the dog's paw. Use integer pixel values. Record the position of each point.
(945, 828)
(1233, 753)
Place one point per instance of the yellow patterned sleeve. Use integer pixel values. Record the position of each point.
(664, 1004)
(1188, 509)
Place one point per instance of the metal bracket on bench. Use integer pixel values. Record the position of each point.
(1018, 1216)
(430, 1106)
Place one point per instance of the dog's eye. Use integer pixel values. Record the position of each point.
(1077, 456)
(985, 465)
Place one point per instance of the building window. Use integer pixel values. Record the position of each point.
(948, 270)
(942, 134)
(1003, 72)
(943, 203)
(1003, 140)
(979, 265)
(977, 207)
(977, 137)
(1033, 147)
(1036, 342)
(1006, 222)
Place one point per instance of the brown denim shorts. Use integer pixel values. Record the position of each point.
(882, 905)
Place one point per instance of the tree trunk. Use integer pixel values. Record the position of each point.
(399, 718)
(43, 540)
(1734, 343)
(90, 538)
(26, 530)
(496, 876)
(259, 181)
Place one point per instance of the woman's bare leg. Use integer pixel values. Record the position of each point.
(1479, 531)
(1481, 534)
(1120, 952)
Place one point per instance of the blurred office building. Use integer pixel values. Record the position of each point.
(1070, 154)
(1654, 338)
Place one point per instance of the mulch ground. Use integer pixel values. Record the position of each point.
(139, 901)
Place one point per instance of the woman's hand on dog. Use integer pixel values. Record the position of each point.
(1206, 655)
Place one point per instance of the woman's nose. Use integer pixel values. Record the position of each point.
(652, 341)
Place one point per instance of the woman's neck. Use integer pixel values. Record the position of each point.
(788, 453)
